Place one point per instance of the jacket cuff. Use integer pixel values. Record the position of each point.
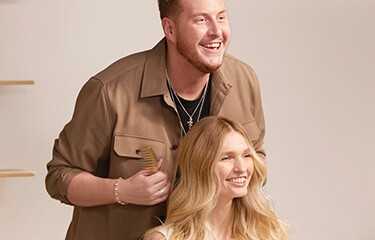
(58, 188)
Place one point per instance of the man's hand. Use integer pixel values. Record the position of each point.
(145, 188)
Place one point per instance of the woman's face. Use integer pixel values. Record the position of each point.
(234, 167)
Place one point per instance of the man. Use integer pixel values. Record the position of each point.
(151, 99)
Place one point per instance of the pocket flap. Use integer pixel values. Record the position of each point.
(128, 146)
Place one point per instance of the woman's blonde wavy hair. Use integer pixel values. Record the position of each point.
(197, 191)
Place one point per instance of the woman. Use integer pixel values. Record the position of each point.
(219, 195)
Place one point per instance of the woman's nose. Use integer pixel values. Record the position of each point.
(240, 164)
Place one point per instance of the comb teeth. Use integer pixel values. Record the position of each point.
(149, 160)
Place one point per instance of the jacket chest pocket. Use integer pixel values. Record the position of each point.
(127, 160)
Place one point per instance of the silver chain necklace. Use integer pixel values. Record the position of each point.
(199, 106)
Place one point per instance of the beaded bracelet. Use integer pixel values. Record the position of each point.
(116, 193)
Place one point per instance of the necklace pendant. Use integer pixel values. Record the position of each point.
(190, 122)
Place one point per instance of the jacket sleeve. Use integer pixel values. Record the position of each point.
(258, 115)
(84, 143)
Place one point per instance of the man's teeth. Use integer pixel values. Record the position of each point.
(238, 180)
(212, 45)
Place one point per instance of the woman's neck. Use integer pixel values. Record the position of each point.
(220, 220)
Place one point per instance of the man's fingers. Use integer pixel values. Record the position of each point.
(164, 192)
(160, 188)
(159, 200)
(149, 188)
(144, 172)
(157, 177)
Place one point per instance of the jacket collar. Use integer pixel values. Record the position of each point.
(154, 77)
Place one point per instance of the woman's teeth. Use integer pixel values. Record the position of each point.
(237, 180)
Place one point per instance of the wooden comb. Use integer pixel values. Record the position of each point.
(149, 160)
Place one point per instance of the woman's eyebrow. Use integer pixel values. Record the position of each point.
(247, 150)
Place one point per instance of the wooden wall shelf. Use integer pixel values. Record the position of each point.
(4, 173)
(15, 173)
(16, 82)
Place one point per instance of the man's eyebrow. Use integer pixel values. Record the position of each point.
(223, 11)
(199, 14)
(206, 14)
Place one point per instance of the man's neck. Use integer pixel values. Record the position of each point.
(187, 81)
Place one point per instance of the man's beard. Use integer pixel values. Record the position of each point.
(193, 58)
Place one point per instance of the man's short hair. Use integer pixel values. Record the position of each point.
(168, 8)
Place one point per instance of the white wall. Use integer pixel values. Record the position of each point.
(315, 60)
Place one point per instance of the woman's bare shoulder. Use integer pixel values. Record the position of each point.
(154, 236)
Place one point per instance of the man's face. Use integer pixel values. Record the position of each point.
(202, 33)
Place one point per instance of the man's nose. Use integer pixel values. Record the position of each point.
(215, 29)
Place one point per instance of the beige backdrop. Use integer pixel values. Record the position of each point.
(315, 60)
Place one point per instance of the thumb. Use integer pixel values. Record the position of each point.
(158, 166)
